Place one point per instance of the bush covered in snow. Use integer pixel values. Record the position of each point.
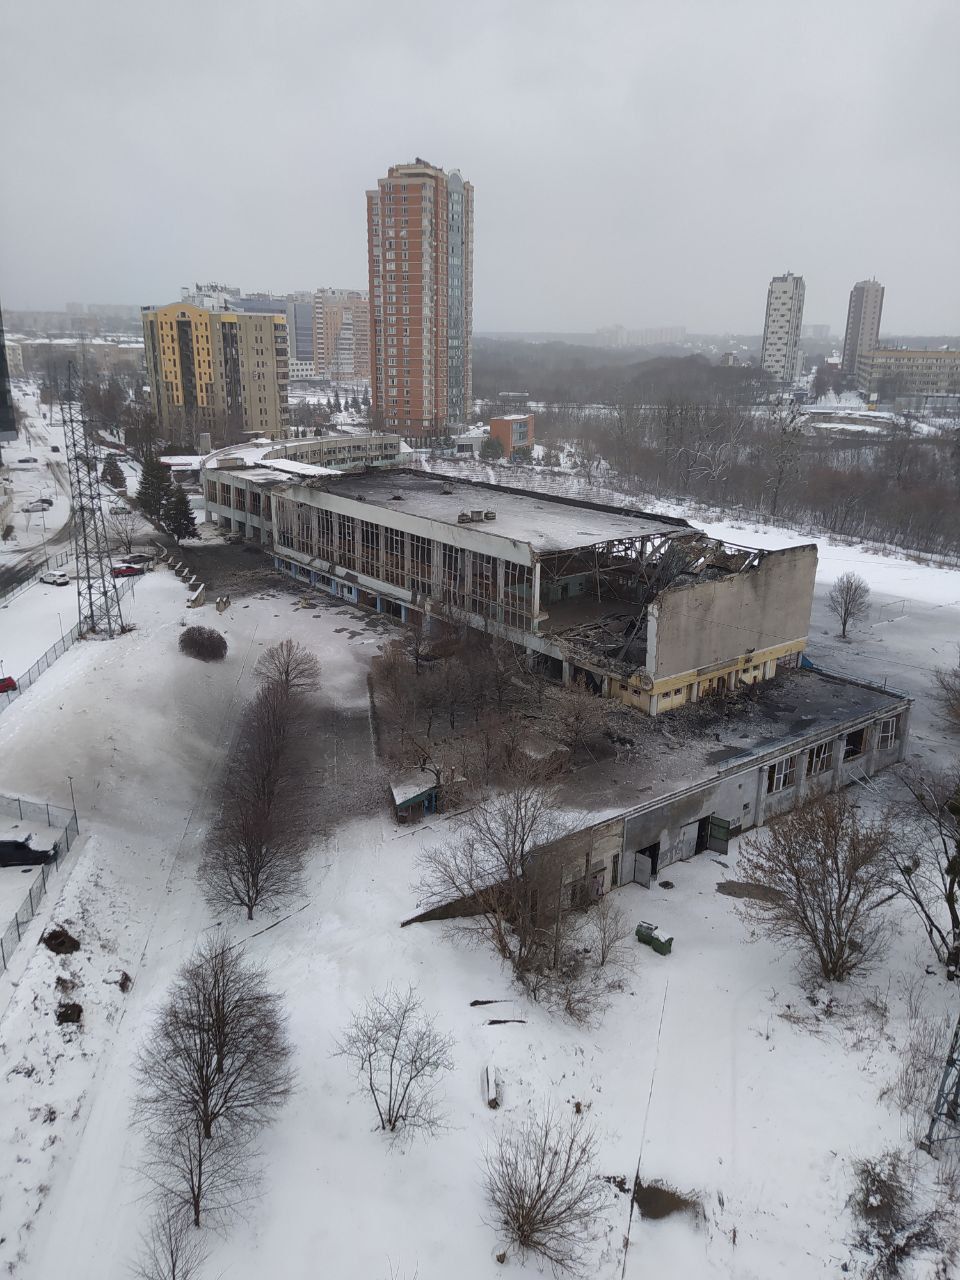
(203, 643)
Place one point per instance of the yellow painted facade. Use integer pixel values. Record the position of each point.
(252, 392)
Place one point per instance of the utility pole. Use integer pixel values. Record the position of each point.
(98, 600)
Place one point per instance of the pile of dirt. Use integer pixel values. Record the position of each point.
(68, 1011)
(60, 941)
(657, 1200)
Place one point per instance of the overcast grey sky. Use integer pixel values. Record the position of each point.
(634, 162)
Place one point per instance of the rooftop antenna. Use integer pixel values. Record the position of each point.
(98, 600)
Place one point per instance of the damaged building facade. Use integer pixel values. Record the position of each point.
(808, 734)
(639, 607)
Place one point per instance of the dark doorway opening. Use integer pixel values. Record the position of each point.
(651, 851)
(587, 677)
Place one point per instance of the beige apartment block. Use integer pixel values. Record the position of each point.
(222, 372)
(341, 334)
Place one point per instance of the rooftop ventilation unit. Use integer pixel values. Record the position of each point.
(489, 515)
(397, 497)
(463, 517)
(476, 516)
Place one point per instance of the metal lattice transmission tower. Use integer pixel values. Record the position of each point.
(945, 1116)
(97, 596)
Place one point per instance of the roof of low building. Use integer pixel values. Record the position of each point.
(698, 743)
(546, 522)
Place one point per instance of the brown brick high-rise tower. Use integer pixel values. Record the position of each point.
(420, 252)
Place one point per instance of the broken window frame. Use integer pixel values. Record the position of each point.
(782, 775)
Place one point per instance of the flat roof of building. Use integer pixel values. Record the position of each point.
(546, 522)
(702, 742)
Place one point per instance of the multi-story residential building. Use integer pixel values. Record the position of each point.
(223, 372)
(513, 431)
(420, 248)
(8, 419)
(781, 355)
(863, 324)
(341, 334)
(911, 378)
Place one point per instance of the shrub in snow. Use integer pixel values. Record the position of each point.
(399, 1056)
(203, 643)
(542, 1183)
(897, 1220)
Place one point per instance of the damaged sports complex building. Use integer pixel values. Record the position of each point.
(640, 607)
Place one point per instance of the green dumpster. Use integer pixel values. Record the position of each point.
(647, 934)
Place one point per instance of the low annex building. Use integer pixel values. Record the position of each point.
(693, 781)
(640, 607)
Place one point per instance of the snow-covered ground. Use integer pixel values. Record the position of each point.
(710, 1067)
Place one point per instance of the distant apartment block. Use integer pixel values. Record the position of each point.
(420, 252)
(223, 372)
(862, 333)
(8, 419)
(781, 354)
(341, 334)
(911, 378)
(617, 336)
(512, 432)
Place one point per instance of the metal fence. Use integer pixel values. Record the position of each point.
(51, 562)
(55, 651)
(64, 823)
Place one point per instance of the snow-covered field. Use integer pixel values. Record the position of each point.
(710, 1067)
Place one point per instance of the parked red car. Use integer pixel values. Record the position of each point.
(127, 570)
(8, 685)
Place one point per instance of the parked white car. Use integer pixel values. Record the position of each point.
(54, 579)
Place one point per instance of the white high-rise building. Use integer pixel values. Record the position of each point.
(781, 357)
(863, 323)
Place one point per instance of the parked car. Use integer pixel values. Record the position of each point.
(28, 459)
(54, 448)
(138, 557)
(22, 853)
(45, 502)
(54, 579)
(34, 506)
(119, 510)
(127, 570)
(8, 684)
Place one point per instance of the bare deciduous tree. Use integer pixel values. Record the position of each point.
(399, 1056)
(122, 529)
(926, 859)
(610, 928)
(576, 716)
(171, 1248)
(849, 600)
(542, 1184)
(821, 869)
(947, 680)
(218, 1054)
(206, 1179)
(491, 864)
(291, 666)
(254, 855)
